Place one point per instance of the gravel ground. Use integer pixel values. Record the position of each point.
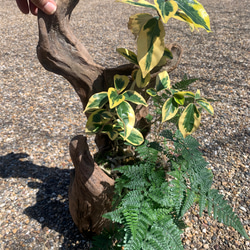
(40, 113)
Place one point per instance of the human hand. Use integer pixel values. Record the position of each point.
(47, 6)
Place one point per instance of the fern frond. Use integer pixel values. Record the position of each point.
(149, 151)
(224, 213)
(184, 83)
(188, 201)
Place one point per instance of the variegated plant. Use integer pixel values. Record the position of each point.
(111, 112)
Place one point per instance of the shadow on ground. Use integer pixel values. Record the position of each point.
(51, 208)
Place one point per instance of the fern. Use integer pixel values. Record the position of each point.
(223, 212)
(184, 83)
(150, 202)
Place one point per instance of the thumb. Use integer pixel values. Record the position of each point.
(47, 6)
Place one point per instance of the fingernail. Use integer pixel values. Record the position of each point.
(50, 8)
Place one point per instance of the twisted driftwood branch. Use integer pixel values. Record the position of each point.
(59, 51)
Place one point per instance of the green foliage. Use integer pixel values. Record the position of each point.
(152, 196)
(169, 174)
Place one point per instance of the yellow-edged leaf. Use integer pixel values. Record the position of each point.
(166, 9)
(140, 81)
(206, 105)
(97, 120)
(179, 98)
(150, 44)
(180, 15)
(137, 21)
(135, 138)
(96, 101)
(110, 131)
(131, 56)
(189, 120)
(140, 3)
(127, 115)
(186, 93)
(114, 98)
(134, 97)
(162, 81)
(120, 82)
(166, 56)
(169, 109)
(196, 12)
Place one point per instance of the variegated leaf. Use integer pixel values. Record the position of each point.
(169, 109)
(110, 131)
(137, 21)
(186, 93)
(151, 92)
(162, 81)
(150, 44)
(140, 81)
(179, 98)
(127, 115)
(206, 105)
(189, 120)
(135, 138)
(114, 98)
(134, 97)
(197, 94)
(180, 15)
(97, 120)
(196, 12)
(131, 56)
(141, 3)
(166, 9)
(120, 82)
(166, 55)
(96, 101)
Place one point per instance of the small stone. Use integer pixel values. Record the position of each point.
(14, 230)
(206, 246)
(243, 209)
(41, 219)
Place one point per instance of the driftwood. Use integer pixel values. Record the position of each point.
(59, 51)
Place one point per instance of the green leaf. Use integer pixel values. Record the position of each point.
(114, 98)
(166, 9)
(169, 109)
(135, 138)
(137, 21)
(97, 120)
(120, 82)
(141, 3)
(166, 55)
(131, 56)
(186, 93)
(162, 81)
(134, 97)
(196, 12)
(151, 92)
(127, 116)
(96, 101)
(206, 105)
(110, 130)
(197, 94)
(180, 15)
(150, 44)
(184, 83)
(189, 120)
(179, 98)
(140, 81)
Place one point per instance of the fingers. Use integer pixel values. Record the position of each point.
(47, 6)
